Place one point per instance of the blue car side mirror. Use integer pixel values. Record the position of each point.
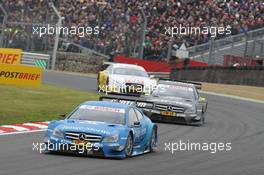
(137, 123)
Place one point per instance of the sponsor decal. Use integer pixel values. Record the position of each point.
(102, 108)
(134, 81)
(10, 56)
(20, 75)
(141, 104)
(86, 129)
(127, 102)
(177, 87)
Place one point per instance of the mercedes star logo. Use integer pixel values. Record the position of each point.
(82, 136)
(169, 108)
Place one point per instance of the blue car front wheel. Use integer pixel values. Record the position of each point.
(129, 146)
(152, 141)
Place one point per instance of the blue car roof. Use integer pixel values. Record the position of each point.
(106, 104)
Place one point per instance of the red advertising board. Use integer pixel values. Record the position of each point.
(156, 66)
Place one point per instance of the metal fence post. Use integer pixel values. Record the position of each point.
(55, 47)
(169, 50)
(253, 49)
(262, 47)
(246, 45)
(3, 25)
(232, 45)
(261, 54)
(143, 33)
(211, 47)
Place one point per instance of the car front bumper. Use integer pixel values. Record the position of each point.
(155, 115)
(55, 144)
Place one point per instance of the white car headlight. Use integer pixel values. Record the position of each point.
(112, 138)
(56, 132)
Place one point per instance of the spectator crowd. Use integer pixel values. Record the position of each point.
(121, 21)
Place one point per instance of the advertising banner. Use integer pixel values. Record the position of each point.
(10, 56)
(20, 75)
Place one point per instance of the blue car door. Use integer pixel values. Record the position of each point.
(135, 125)
(143, 124)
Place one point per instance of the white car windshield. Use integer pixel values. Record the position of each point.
(129, 71)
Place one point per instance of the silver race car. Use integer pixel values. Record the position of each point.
(171, 101)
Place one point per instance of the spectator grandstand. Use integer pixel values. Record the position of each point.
(121, 22)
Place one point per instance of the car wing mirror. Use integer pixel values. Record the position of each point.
(137, 124)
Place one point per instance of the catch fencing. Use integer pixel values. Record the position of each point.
(248, 45)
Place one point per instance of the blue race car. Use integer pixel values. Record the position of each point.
(103, 128)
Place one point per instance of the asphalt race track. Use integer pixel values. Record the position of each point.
(228, 120)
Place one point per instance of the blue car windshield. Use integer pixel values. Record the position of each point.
(100, 114)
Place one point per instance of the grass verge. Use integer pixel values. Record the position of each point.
(236, 90)
(21, 104)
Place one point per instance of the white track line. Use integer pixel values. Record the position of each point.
(18, 128)
(234, 97)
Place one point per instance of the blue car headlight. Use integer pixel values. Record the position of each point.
(111, 138)
(56, 132)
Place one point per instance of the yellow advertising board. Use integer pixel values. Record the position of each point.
(20, 75)
(10, 56)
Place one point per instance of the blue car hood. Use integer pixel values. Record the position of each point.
(91, 127)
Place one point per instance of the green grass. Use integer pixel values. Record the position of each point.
(21, 104)
(252, 92)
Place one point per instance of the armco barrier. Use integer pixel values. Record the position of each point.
(226, 75)
(35, 59)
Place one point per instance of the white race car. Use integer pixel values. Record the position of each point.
(125, 79)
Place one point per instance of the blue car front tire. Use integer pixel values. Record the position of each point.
(129, 146)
